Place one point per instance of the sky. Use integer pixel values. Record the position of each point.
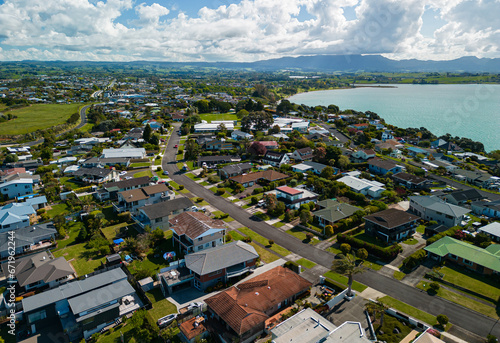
(246, 30)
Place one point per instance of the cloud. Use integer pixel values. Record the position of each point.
(245, 31)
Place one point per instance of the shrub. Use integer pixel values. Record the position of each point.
(415, 259)
(271, 242)
(40, 211)
(199, 199)
(292, 266)
(309, 236)
(247, 239)
(221, 191)
(450, 232)
(254, 200)
(124, 217)
(258, 191)
(435, 286)
(181, 187)
(382, 253)
(213, 179)
(345, 248)
(442, 319)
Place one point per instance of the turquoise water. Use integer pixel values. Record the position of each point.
(471, 111)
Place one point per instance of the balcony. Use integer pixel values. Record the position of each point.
(236, 271)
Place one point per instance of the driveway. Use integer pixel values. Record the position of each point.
(459, 315)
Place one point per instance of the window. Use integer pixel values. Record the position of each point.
(34, 317)
(470, 263)
(455, 257)
(200, 239)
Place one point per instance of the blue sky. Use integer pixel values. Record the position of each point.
(246, 30)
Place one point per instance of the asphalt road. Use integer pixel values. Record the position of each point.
(83, 121)
(458, 185)
(461, 316)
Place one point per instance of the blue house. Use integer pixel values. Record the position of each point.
(412, 151)
(382, 167)
(16, 188)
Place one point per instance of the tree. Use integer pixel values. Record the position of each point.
(257, 149)
(434, 286)
(271, 201)
(376, 308)
(305, 217)
(362, 254)
(319, 154)
(285, 106)
(347, 266)
(345, 248)
(222, 128)
(146, 135)
(327, 172)
(271, 242)
(192, 150)
(260, 121)
(155, 139)
(329, 230)
(343, 162)
(241, 114)
(442, 319)
(10, 158)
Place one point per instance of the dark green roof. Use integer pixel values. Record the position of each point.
(336, 211)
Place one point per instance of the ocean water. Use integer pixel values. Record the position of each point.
(471, 111)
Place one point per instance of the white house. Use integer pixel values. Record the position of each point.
(294, 197)
(373, 189)
(240, 135)
(133, 153)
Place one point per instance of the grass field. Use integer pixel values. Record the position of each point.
(144, 173)
(306, 263)
(57, 209)
(409, 310)
(214, 116)
(83, 262)
(161, 306)
(264, 241)
(358, 287)
(265, 256)
(472, 281)
(140, 164)
(236, 236)
(110, 232)
(37, 117)
(302, 236)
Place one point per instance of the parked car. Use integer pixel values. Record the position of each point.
(175, 146)
(123, 173)
(165, 172)
(164, 321)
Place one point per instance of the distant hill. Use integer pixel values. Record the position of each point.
(318, 63)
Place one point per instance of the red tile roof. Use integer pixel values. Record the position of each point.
(192, 330)
(289, 190)
(243, 307)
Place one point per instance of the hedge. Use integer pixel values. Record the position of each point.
(450, 232)
(415, 259)
(83, 189)
(388, 253)
(292, 266)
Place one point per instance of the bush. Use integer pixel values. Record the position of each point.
(415, 259)
(292, 266)
(450, 232)
(271, 242)
(199, 199)
(40, 211)
(181, 187)
(434, 286)
(254, 200)
(309, 236)
(124, 217)
(221, 191)
(229, 238)
(345, 248)
(382, 253)
(213, 179)
(247, 239)
(442, 319)
(258, 191)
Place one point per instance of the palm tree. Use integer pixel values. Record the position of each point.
(376, 307)
(348, 266)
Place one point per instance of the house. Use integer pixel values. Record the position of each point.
(27, 239)
(382, 167)
(370, 188)
(106, 162)
(221, 263)
(27, 164)
(193, 330)
(212, 127)
(194, 231)
(332, 211)
(463, 197)
(15, 216)
(307, 326)
(40, 270)
(238, 135)
(435, 229)
(95, 175)
(487, 208)
(214, 161)
(362, 126)
(314, 135)
(218, 144)
(132, 199)
(244, 309)
(388, 144)
(132, 153)
(178, 117)
(295, 197)
(301, 126)
(492, 230)
(386, 135)
(19, 176)
(110, 190)
(314, 167)
(414, 151)
(265, 145)
(391, 225)
(484, 261)
(410, 181)
(444, 145)
(37, 202)
(16, 188)
(473, 177)
(157, 215)
(234, 170)
(304, 154)
(248, 180)
(276, 159)
(363, 155)
(432, 208)
(83, 307)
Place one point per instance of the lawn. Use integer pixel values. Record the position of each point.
(67, 181)
(461, 300)
(265, 256)
(305, 263)
(112, 231)
(472, 282)
(410, 241)
(421, 229)
(192, 176)
(264, 241)
(302, 235)
(143, 173)
(161, 306)
(409, 310)
(158, 162)
(201, 203)
(358, 287)
(58, 209)
(279, 224)
(399, 275)
(83, 261)
(87, 127)
(236, 236)
(140, 164)
(204, 183)
(37, 117)
(209, 117)
(385, 333)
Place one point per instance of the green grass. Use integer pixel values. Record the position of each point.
(37, 117)
(204, 183)
(191, 165)
(279, 224)
(180, 165)
(474, 282)
(143, 173)
(179, 157)
(66, 181)
(158, 162)
(161, 306)
(302, 235)
(140, 164)
(58, 209)
(115, 336)
(385, 333)
(264, 241)
(87, 127)
(410, 241)
(228, 219)
(461, 300)
(110, 232)
(399, 275)
(202, 203)
(421, 229)
(209, 117)
(358, 287)
(84, 262)
(192, 176)
(306, 263)
(72, 233)
(409, 310)
(265, 256)
(236, 236)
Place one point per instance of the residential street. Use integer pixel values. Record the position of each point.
(461, 316)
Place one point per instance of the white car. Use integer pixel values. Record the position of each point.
(164, 321)
(123, 173)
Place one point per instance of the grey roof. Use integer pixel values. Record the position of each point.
(438, 205)
(36, 200)
(28, 235)
(317, 166)
(92, 171)
(72, 289)
(223, 256)
(349, 332)
(237, 168)
(107, 160)
(225, 158)
(307, 326)
(41, 267)
(493, 205)
(133, 182)
(337, 211)
(100, 296)
(469, 194)
(492, 229)
(409, 178)
(165, 208)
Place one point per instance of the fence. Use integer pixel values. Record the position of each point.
(308, 229)
(337, 299)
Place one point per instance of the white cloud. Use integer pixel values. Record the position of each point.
(249, 30)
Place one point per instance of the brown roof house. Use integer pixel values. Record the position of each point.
(194, 231)
(41, 270)
(134, 199)
(193, 330)
(304, 154)
(248, 180)
(244, 309)
(391, 225)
